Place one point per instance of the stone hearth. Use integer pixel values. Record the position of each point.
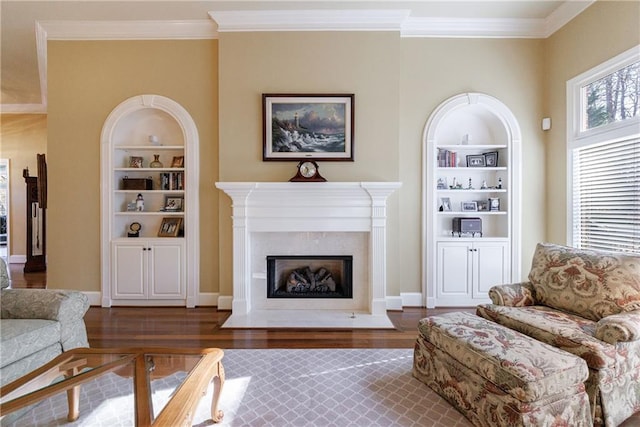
(347, 218)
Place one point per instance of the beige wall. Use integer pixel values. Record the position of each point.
(434, 70)
(86, 81)
(604, 30)
(397, 83)
(22, 136)
(365, 64)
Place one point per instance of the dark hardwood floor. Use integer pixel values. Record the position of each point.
(200, 327)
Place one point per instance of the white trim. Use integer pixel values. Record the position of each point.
(309, 20)
(207, 299)
(506, 117)
(289, 20)
(394, 303)
(225, 302)
(563, 14)
(577, 138)
(412, 299)
(17, 259)
(192, 147)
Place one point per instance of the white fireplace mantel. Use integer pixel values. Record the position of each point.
(342, 207)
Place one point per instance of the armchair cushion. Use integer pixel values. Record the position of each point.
(619, 327)
(591, 284)
(23, 337)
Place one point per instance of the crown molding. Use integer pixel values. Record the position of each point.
(309, 20)
(563, 14)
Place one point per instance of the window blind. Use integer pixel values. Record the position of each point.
(606, 196)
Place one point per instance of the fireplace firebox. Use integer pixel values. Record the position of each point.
(309, 276)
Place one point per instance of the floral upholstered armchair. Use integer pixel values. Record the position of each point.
(586, 303)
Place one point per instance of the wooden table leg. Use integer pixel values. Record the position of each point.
(218, 382)
(73, 398)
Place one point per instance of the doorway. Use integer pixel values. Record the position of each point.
(4, 209)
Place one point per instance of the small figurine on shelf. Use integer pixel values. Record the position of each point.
(455, 183)
(139, 203)
(499, 187)
(470, 187)
(153, 139)
(484, 185)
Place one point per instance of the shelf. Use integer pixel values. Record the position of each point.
(150, 191)
(479, 190)
(471, 213)
(148, 147)
(148, 169)
(146, 239)
(471, 147)
(158, 213)
(472, 239)
(452, 168)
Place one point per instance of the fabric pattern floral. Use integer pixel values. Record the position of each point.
(591, 284)
(497, 376)
(585, 303)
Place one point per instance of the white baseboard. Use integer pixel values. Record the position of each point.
(17, 259)
(431, 302)
(207, 299)
(225, 302)
(411, 299)
(394, 303)
(95, 298)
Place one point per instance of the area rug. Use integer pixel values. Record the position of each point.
(291, 387)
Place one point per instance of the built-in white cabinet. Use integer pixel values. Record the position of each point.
(467, 270)
(148, 270)
(471, 233)
(149, 172)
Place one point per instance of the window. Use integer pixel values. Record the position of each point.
(604, 156)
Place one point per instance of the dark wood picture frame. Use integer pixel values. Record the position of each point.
(170, 227)
(308, 126)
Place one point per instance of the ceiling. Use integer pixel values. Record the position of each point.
(26, 25)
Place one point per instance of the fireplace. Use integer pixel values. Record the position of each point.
(308, 219)
(304, 276)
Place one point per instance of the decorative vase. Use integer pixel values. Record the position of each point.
(156, 162)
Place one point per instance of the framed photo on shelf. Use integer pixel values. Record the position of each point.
(307, 126)
(170, 227)
(173, 204)
(476, 161)
(469, 206)
(445, 204)
(483, 205)
(491, 159)
(178, 162)
(135, 161)
(494, 204)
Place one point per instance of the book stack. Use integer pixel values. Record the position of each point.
(172, 181)
(447, 159)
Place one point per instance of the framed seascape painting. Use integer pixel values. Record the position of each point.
(298, 127)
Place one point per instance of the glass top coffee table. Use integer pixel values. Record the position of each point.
(190, 369)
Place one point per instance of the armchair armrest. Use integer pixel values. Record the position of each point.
(620, 327)
(66, 307)
(49, 304)
(513, 294)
